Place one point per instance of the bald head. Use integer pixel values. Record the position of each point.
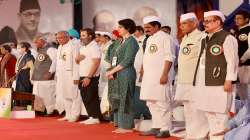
(143, 12)
(104, 21)
(62, 37)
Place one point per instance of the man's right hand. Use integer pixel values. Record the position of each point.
(48, 76)
(228, 86)
(79, 58)
(76, 82)
(164, 79)
(111, 77)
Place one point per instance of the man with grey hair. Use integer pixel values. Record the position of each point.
(188, 56)
(43, 74)
(67, 77)
(215, 73)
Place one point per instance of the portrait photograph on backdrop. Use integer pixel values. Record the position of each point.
(31, 18)
(103, 16)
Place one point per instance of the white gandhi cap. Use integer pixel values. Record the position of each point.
(149, 19)
(106, 33)
(98, 32)
(187, 16)
(215, 13)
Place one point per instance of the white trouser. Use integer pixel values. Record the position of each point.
(46, 91)
(217, 122)
(104, 105)
(196, 122)
(73, 106)
(161, 114)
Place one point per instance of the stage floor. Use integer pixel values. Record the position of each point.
(48, 128)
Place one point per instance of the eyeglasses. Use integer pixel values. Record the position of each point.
(209, 21)
(29, 14)
(238, 18)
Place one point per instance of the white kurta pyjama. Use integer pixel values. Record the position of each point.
(158, 51)
(213, 100)
(67, 72)
(139, 59)
(187, 60)
(103, 81)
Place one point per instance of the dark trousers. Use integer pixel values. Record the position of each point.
(90, 97)
(140, 106)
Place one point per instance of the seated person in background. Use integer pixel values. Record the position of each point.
(239, 126)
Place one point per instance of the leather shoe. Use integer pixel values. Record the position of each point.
(151, 132)
(163, 134)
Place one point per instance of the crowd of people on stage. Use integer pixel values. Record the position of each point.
(139, 71)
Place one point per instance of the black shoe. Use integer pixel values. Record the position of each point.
(163, 134)
(151, 132)
(50, 115)
(39, 113)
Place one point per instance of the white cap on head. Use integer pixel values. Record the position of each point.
(187, 16)
(215, 13)
(98, 32)
(106, 33)
(149, 19)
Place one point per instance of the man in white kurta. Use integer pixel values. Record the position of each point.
(44, 85)
(139, 58)
(187, 60)
(67, 77)
(167, 29)
(139, 36)
(75, 39)
(216, 70)
(155, 87)
(106, 41)
(140, 107)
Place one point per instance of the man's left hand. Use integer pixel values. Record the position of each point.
(228, 87)
(164, 79)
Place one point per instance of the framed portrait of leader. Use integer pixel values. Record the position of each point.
(31, 17)
(103, 15)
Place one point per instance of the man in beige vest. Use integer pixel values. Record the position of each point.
(188, 56)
